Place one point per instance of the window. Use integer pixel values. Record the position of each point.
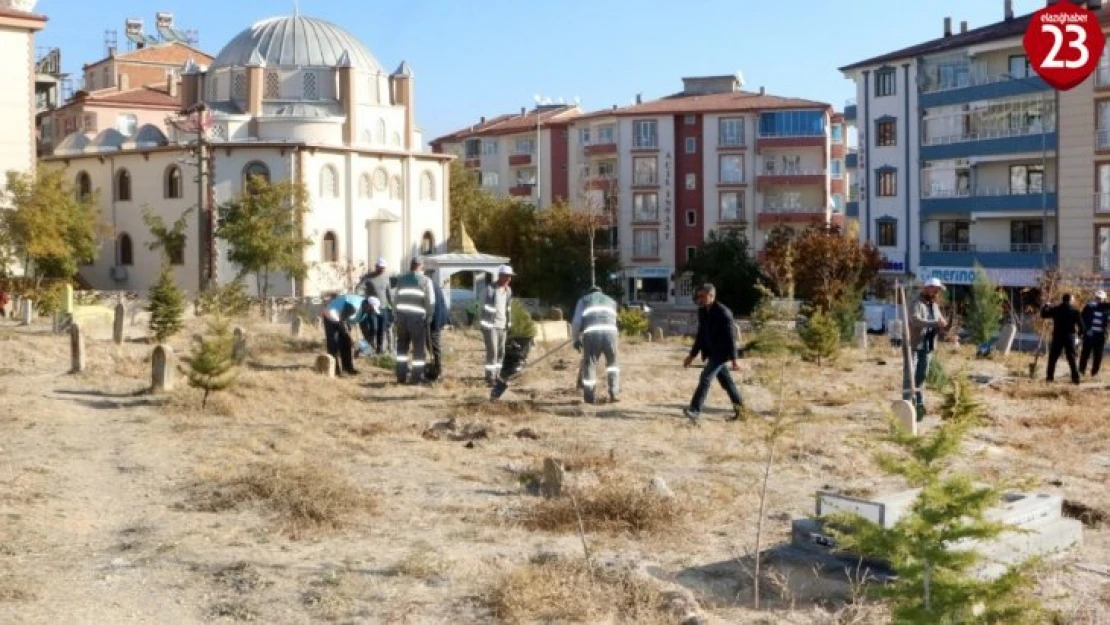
(644, 170)
(473, 147)
(126, 252)
(645, 244)
(427, 187)
(886, 133)
(1102, 204)
(645, 207)
(489, 147)
(379, 136)
(886, 230)
(273, 85)
(126, 124)
(1019, 66)
(886, 183)
(955, 236)
(1026, 179)
(607, 169)
(428, 244)
(792, 124)
(1026, 236)
(691, 251)
(584, 136)
(884, 82)
(238, 86)
(836, 168)
(525, 146)
(255, 169)
(732, 206)
(329, 248)
(489, 179)
(607, 134)
(329, 182)
(123, 186)
(173, 182)
(732, 169)
(1102, 240)
(84, 185)
(89, 122)
(644, 134)
(690, 120)
(838, 203)
(365, 186)
(310, 88)
(691, 145)
(837, 133)
(1103, 75)
(396, 190)
(691, 218)
(691, 182)
(730, 132)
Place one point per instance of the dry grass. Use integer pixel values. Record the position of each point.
(555, 590)
(15, 590)
(612, 507)
(305, 496)
(423, 562)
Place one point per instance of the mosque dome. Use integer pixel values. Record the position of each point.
(296, 41)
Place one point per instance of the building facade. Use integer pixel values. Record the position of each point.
(967, 157)
(290, 98)
(18, 26)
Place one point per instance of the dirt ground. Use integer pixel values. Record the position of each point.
(294, 498)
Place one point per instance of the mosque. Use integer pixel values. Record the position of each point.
(289, 98)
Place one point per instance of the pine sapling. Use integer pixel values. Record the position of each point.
(212, 365)
(167, 306)
(820, 337)
(927, 547)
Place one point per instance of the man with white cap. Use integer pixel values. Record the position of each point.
(496, 320)
(1096, 314)
(376, 284)
(926, 321)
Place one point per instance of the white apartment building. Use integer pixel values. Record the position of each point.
(17, 99)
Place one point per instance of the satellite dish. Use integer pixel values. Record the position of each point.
(537, 98)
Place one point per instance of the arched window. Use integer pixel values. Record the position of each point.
(365, 185)
(428, 244)
(396, 138)
(253, 169)
(126, 256)
(395, 189)
(84, 185)
(427, 187)
(329, 248)
(381, 131)
(173, 182)
(329, 182)
(123, 186)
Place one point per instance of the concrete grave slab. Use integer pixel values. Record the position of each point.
(884, 511)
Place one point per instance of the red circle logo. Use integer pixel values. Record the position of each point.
(1064, 43)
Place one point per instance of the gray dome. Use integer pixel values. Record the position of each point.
(296, 42)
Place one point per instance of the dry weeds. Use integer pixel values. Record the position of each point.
(611, 507)
(555, 590)
(15, 589)
(306, 496)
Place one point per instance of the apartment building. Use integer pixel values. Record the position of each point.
(18, 26)
(522, 155)
(958, 157)
(710, 157)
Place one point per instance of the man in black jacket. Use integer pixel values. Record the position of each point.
(1066, 325)
(1095, 315)
(716, 343)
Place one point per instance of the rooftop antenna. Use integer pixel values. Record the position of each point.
(296, 8)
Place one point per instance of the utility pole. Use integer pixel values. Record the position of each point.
(203, 221)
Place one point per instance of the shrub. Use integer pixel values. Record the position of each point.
(632, 322)
(846, 310)
(524, 327)
(212, 365)
(820, 337)
(771, 325)
(167, 307)
(983, 316)
(228, 300)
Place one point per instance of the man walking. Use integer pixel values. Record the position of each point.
(926, 322)
(440, 319)
(376, 284)
(496, 320)
(415, 304)
(594, 331)
(716, 343)
(340, 314)
(1095, 317)
(1067, 324)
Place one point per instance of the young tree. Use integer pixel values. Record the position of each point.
(820, 337)
(983, 315)
(725, 260)
(212, 365)
(262, 228)
(825, 263)
(49, 228)
(559, 265)
(935, 583)
(778, 261)
(166, 307)
(170, 240)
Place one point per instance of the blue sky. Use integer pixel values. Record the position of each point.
(483, 58)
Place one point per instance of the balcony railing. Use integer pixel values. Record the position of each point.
(732, 179)
(645, 215)
(976, 76)
(800, 134)
(642, 143)
(794, 171)
(941, 194)
(1102, 202)
(986, 135)
(645, 180)
(1013, 248)
(770, 206)
(1103, 138)
(731, 141)
(849, 102)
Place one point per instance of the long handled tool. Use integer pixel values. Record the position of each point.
(502, 384)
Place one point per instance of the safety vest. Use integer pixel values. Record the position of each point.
(492, 317)
(411, 298)
(599, 313)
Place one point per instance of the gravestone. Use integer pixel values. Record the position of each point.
(552, 484)
(659, 334)
(161, 369)
(1006, 338)
(239, 349)
(76, 349)
(117, 324)
(906, 415)
(861, 335)
(27, 311)
(296, 326)
(325, 365)
(67, 299)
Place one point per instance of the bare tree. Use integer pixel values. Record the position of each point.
(597, 198)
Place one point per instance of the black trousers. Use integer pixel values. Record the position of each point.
(339, 345)
(1067, 346)
(1092, 349)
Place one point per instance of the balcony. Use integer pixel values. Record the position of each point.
(645, 142)
(600, 148)
(1102, 202)
(1102, 139)
(473, 162)
(851, 209)
(791, 139)
(850, 110)
(851, 160)
(984, 200)
(774, 212)
(601, 183)
(731, 142)
(1014, 256)
(645, 180)
(987, 144)
(518, 159)
(977, 86)
(792, 176)
(521, 189)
